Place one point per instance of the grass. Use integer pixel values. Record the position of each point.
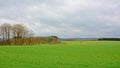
(71, 54)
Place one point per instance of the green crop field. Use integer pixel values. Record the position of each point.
(70, 54)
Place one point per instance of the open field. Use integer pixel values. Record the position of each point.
(71, 54)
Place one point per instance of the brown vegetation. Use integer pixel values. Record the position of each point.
(18, 34)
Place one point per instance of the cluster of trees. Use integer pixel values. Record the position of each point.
(18, 34)
(13, 34)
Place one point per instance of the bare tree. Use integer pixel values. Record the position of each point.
(5, 30)
(19, 33)
(2, 33)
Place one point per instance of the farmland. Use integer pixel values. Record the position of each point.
(69, 54)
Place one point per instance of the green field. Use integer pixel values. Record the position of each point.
(86, 54)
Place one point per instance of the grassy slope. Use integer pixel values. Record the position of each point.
(71, 55)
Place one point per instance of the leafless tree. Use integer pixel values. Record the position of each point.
(19, 33)
(5, 31)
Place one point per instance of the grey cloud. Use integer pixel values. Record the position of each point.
(65, 18)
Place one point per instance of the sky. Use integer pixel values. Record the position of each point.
(64, 18)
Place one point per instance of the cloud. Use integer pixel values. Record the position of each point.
(64, 18)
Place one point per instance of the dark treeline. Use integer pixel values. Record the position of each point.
(109, 39)
(18, 34)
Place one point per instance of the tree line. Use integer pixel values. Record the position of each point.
(109, 39)
(13, 34)
(18, 34)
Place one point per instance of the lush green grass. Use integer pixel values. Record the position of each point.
(86, 54)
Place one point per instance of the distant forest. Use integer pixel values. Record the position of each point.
(18, 34)
(91, 39)
(109, 39)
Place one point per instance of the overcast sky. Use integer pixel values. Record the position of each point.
(64, 18)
